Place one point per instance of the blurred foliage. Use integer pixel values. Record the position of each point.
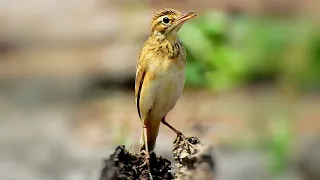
(279, 144)
(225, 51)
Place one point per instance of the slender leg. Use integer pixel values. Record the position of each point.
(146, 143)
(147, 155)
(171, 127)
(179, 134)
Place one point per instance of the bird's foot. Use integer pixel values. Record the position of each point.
(180, 137)
(146, 158)
(185, 148)
(146, 162)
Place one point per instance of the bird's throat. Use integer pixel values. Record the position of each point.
(172, 37)
(169, 48)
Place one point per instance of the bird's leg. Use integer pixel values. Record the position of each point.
(146, 151)
(179, 134)
(172, 128)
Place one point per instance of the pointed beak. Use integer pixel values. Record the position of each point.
(184, 18)
(176, 25)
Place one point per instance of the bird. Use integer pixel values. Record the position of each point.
(160, 75)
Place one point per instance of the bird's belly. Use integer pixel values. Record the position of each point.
(169, 88)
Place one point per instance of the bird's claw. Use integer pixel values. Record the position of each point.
(185, 142)
(146, 158)
(146, 162)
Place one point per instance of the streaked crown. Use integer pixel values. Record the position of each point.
(163, 19)
(167, 20)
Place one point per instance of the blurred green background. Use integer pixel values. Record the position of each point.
(67, 79)
(227, 51)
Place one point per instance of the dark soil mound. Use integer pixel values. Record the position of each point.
(124, 165)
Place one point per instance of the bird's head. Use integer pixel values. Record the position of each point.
(167, 21)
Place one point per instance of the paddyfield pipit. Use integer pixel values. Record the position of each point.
(160, 75)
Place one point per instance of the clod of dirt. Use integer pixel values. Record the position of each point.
(194, 159)
(124, 165)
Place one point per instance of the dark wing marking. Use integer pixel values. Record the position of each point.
(138, 86)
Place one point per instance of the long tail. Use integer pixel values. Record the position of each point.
(152, 134)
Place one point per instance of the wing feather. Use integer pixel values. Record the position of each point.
(140, 75)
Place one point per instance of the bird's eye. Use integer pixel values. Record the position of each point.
(166, 20)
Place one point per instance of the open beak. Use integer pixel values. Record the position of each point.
(184, 18)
